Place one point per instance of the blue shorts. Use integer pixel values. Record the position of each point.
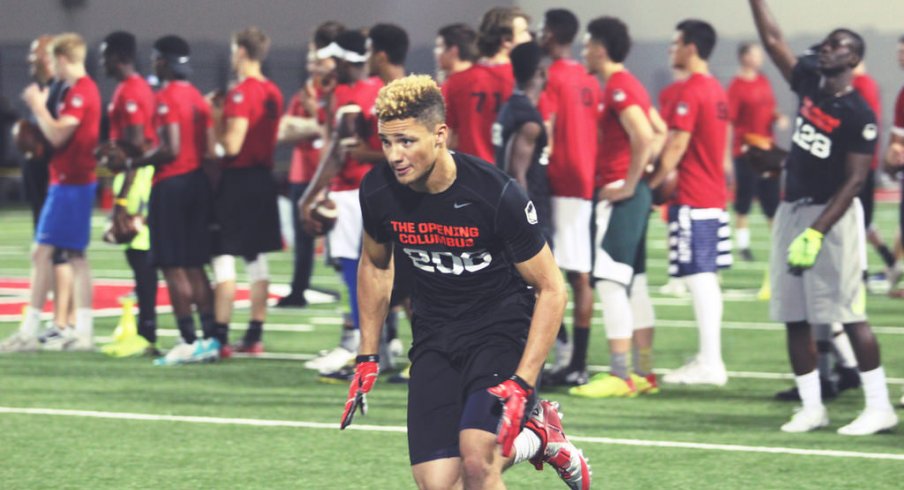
(699, 240)
(65, 220)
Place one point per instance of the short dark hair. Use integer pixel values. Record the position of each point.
(352, 40)
(699, 33)
(745, 47)
(255, 42)
(390, 39)
(463, 37)
(326, 33)
(859, 45)
(525, 60)
(172, 45)
(613, 34)
(562, 24)
(497, 27)
(122, 45)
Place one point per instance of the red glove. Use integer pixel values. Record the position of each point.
(513, 394)
(366, 371)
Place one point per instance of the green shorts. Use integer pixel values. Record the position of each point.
(619, 246)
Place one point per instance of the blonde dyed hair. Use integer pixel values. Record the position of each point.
(414, 96)
(255, 42)
(70, 46)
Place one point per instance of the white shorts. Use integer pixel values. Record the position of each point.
(344, 240)
(572, 243)
(832, 290)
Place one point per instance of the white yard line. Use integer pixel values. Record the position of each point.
(399, 429)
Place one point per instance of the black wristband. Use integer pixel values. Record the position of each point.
(367, 358)
(523, 384)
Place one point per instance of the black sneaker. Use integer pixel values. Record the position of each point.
(848, 378)
(292, 301)
(746, 255)
(566, 377)
(829, 392)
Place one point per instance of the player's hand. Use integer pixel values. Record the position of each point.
(310, 225)
(366, 371)
(513, 394)
(894, 159)
(803, 250)
(35, 96)
(615, 194)
(110, 155)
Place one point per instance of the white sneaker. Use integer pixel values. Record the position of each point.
(807, 420)
(564, 351)
(871, 421)
(697, 373)
(56, 338)
(80, 343)
(19, 342)
(893, 275)
(331, 361)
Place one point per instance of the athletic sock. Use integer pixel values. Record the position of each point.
(743, 236)
(31, 322)
(643, 360)
(843, 348)
(148, 330)
(187, 329)
(208, 324)
(562, 336)
(255, 332)
(526, 445)
(618, 364)
(221, 333)
(824, 359)
(84, 322)
(707, 297)
(808, 387)
(887, 256)
(579, 351)
(875, 389)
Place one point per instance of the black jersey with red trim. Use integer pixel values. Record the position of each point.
(462, 244)
(827, 128)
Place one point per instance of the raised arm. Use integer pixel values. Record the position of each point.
(772, 38)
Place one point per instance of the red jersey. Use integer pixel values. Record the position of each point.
(573, 96)
(362, 93)
(133, 104)
(306, 153)
(260, 102)
(751, 108)
(701, 108)
(898, 125)
(473, 99)
(179, 102)
(869, 90)
(74, 163)
(667, 97)
(622, 91)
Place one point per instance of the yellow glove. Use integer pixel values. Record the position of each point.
(803, 250)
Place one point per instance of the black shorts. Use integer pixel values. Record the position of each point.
(246, 213)
(868, 198)
(447, 393)
(179, 221)
(749, 185)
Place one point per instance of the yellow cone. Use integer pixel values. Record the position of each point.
(127, 326)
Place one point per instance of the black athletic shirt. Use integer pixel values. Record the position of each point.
(517, 112)
(827, 128)
(463, 244)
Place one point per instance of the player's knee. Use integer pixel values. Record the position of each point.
(223, 268)
(436, 480)
(641, 305)
(257, 269)
(476, 465)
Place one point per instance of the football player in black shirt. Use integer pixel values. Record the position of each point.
(520, 136)
(818, 239)
(487, 301)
